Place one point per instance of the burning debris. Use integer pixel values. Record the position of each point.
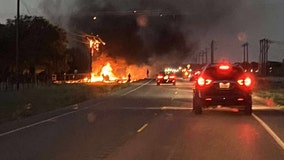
(106, 74)
(107, 69)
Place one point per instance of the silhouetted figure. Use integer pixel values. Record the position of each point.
(147, 73)
(129, 77)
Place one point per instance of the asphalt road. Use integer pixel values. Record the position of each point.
(145, 122)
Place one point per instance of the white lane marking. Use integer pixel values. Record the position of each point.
(37, 123)
(270, 131)
(157, 108)
(142, 128)
(52, 119)
(136, 88)
(175, 108)
(59, 116)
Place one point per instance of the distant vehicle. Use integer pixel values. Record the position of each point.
(223, 84)
(186, 74)
(164, 77)
(194, 75)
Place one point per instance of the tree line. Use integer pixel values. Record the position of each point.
(42, 50)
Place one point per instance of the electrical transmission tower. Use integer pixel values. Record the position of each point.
(263, 56)
(212, 51)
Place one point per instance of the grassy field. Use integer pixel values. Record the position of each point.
(26, 102)
(271, 89)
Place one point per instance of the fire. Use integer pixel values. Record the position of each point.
(95, 78)
(107, 69)
(106, 74)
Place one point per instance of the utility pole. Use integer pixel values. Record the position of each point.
(212, 51)
(206, 59)
(245, 45)
(260, 65)
(17, 44)
(202, 57)
(94, 44)
(263, 56)
(197, 58)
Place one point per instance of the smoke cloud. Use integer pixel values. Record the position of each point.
(146, 31)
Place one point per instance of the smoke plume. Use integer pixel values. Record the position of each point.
(144, 31)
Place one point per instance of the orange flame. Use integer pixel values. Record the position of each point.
(107, 69)
(106, 74)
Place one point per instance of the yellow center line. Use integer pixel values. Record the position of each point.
(142, 128)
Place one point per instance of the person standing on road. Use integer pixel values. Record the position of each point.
(147, 73)
(129, 77)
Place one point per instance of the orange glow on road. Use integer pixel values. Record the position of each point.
(247, 134)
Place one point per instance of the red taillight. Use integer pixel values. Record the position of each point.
(160, 76)
(240, 99)
(203, 82)
(246, 81)
(224, 67)
(172, 76)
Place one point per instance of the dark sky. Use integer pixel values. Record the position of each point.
(188, 25)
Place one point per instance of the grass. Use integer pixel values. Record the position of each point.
(272, 90)
(26, 102)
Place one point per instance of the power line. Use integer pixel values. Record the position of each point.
(26, 7)
(277, 42)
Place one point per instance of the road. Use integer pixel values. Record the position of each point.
(145, 122)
